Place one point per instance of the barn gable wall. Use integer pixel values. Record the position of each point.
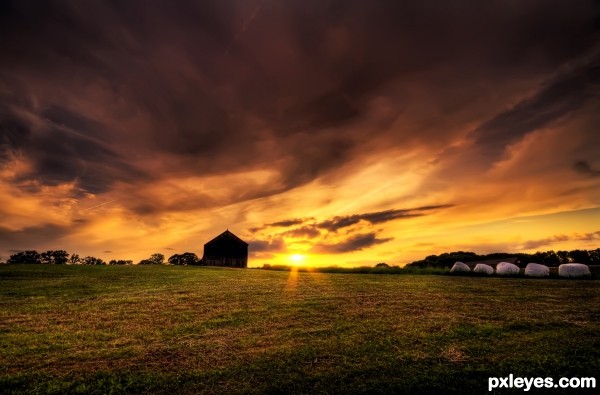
(226, 250)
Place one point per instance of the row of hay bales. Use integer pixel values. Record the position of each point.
(567, 270)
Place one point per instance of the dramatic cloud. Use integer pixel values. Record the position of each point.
(284, 224)
(339, 222)
(308, 232)
(287, 223)
(559, 97)
(193, 116)
(354, 243)
(66, 148)
(585, 168)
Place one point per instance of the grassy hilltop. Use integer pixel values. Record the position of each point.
(165, 329)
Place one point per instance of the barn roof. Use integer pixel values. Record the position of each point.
(226, 236)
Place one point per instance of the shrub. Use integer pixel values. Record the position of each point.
(30, 256)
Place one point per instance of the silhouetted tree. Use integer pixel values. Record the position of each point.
(90, 260)
(550, 258)
(187, 258)
(563, 256)
(46, 258)
(595, 256)
(446, 259)
(198, 262)
(74, 260)
(56, 257)
(120, 262)
(155, 259)
(30, 256)
(580, 256)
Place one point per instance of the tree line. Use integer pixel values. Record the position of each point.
(548, 258)
(62, 257)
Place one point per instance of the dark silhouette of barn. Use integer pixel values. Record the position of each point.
(226, 250)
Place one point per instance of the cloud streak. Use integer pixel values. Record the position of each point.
(533, 244)
(379, 217)
(559, 97)
(585, 168)
(356, 242)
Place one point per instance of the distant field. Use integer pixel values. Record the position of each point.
(168, 329)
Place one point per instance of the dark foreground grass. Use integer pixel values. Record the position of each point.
(208, 330)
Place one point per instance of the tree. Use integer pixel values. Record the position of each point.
(551, 259)
(187, 258)
(30, 256)
(446, 259)
(45, 258)
(120, 262)
(155, 259)
(595, 256)
(60, 257)
(74, 260)
(90, 260)
(563, 256)
(57, 257)
(580, 256)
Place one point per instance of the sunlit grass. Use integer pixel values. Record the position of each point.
(195, 329)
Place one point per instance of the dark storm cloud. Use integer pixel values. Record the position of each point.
(212, 87)
(560, 97)
(67, 147)
(354, 243)
(378, 217)
(584, 167)
(23, 239)
(13, 133)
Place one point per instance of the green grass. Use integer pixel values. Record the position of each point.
(166, 329)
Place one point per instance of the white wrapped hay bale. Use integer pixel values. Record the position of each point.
(460, 267)
(482, 268)
(507, 269)
(574, 270)
(536, 270)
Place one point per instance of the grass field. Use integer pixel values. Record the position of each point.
(166, 329)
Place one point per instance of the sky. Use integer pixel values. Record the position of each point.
(340, 132)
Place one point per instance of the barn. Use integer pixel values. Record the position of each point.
(226, 250)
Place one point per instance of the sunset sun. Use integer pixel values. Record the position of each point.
(297, 258)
